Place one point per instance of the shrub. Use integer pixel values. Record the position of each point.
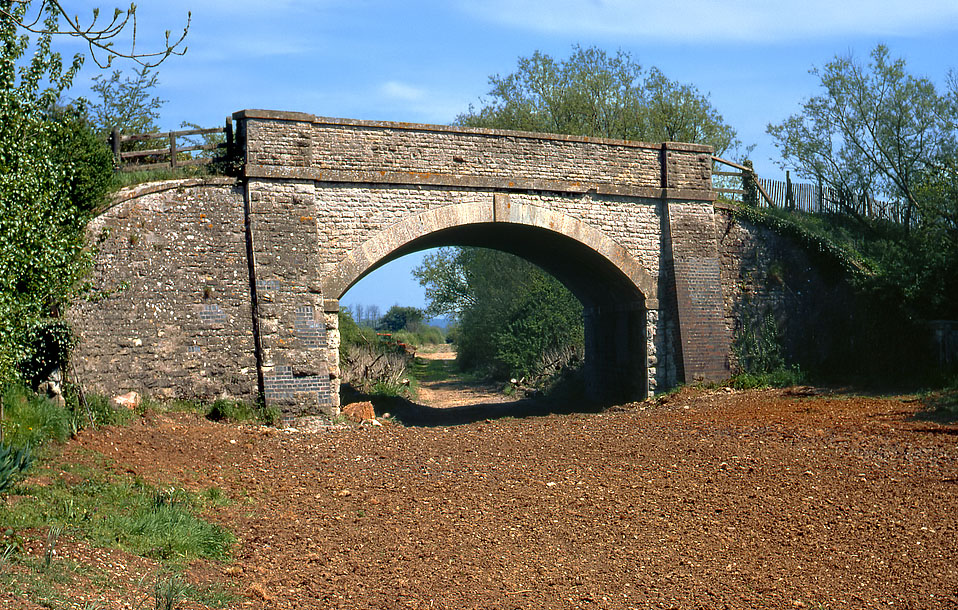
(225, 409)
(758, 349)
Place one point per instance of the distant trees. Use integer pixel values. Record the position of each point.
(399, 318)
(593, 93)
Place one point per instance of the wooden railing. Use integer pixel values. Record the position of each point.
(812, 198)
(170, 156)
(744, 174)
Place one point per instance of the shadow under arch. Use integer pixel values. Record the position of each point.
(614, 288)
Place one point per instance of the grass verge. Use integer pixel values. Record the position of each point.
(91, 504)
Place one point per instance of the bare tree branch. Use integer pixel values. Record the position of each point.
(100, 35)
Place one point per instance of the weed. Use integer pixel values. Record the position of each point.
(168, 592)
(53, 534)
(30, 419)
(237, 411)
(13, 462)
(108, 510)
(214, 496)
(942, 405)
(782, 377)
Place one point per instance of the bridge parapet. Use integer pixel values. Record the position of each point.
(289, 145)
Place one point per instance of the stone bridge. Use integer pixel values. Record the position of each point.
(232, 285)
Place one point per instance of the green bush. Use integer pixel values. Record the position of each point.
(98, 408)
(237, 411)
(351, 333)
(758, 347)
(779, 378)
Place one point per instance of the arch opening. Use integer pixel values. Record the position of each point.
(615, 291)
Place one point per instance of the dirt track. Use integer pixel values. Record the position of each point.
(711, 500)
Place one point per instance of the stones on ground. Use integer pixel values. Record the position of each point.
(360, 411)
(130, 400)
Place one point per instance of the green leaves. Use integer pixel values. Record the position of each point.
(53, 173)
(596, 94)
(874, 130)
(510, 312)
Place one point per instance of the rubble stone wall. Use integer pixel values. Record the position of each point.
(170, 312)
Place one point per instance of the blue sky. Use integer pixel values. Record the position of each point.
(426, 61)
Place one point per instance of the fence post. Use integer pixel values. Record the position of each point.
(821, 196)
(750, 197)
(115, 142)
(172, 150)
(789, 194)
(229, 134)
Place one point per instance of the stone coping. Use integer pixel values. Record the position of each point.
(302, 117)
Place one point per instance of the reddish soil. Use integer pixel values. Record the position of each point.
(708, 499)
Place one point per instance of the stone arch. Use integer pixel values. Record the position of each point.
(614, 288)
(415, 232)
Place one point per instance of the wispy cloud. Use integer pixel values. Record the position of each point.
(709, 20)
(402, 91)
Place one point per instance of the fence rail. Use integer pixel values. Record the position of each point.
(813, 198)
(169, 156)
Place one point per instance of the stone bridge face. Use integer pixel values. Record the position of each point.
(233, 285)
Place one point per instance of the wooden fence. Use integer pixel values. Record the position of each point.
(812, 198)
(170, 156)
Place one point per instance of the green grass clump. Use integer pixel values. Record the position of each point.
(30, 420)
(126, 513)
(783, 377)
(237, 411)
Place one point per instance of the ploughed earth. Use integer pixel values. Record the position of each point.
(703, 499)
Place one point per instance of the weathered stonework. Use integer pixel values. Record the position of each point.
(765, 274)
(172, 318)
(322, 202)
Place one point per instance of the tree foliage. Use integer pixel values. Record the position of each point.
(878, 129)
(875, 129)
(53, 174)
(593, 93)
(126, 103)
(509, 311)
(399, 318)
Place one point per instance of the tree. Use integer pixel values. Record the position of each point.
(593, 93)
(876, 129)
(401, 318)
(126, 103)
(508, 310)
